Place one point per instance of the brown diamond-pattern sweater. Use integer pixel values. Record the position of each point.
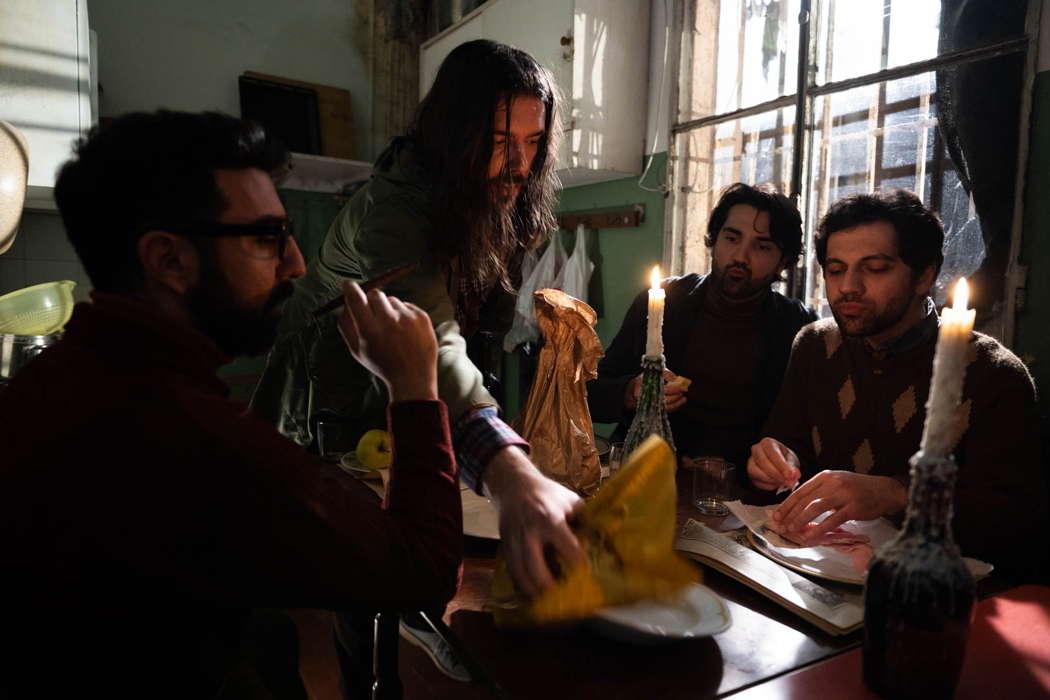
(844, 406)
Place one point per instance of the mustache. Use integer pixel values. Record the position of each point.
(739, 266)
(848, 299)
(280, 293)
(516, 179)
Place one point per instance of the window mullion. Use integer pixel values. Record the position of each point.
(801, 93)
(922, 144)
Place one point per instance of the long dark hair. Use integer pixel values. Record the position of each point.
(453, 130)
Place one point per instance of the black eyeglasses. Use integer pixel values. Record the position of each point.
(264, 240)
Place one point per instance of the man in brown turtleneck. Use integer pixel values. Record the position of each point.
(728, 332)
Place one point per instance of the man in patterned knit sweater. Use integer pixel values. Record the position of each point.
(852, 402)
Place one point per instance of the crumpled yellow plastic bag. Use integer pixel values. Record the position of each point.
(627, 532)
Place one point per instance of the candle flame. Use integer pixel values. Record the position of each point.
(962, 295)
(654, 277)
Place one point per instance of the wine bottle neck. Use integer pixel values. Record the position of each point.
(930, 498)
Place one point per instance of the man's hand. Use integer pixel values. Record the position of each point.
(773, 465)
(534, 515)
(848, 496)
(674, 396)
(394, 340)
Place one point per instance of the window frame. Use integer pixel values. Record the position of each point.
(803, 100)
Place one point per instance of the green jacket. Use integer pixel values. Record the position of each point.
(387, 223)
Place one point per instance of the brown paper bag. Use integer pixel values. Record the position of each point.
(556, 420)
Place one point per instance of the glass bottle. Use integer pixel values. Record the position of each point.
(650, 417)
(919, 595)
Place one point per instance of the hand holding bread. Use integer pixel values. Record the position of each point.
(675, 389)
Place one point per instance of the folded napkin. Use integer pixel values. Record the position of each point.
(627, 532)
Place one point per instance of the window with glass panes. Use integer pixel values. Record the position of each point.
(923, 95)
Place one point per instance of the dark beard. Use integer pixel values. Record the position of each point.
(495, 190)
(744, 289)
(238, 331)
(873, 324)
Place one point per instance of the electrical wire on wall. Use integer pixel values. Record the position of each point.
(663, 187)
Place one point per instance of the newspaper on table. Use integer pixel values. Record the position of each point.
(836, 611)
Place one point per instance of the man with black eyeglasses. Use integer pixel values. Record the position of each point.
(144, 516)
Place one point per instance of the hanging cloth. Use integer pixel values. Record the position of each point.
(578, 269)
(547, 274)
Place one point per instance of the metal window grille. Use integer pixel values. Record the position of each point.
(862, 130)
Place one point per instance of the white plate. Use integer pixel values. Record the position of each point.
(350, 465)
(697, 613)
(480, 517)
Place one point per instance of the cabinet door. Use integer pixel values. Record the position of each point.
(434, 52)
(610, 86)
(44, 79)
(543, 28)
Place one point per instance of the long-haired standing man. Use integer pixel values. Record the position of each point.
(464, 194)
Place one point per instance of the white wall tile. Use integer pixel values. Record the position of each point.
(12, 274)
(45, 238)
(40, 271)
(83, 289)
(17, 251)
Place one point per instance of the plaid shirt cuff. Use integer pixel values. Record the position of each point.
(477, 436)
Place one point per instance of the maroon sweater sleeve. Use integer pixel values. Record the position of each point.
(406, 552)
(257, 520)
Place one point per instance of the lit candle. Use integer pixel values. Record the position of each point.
(654, 339)
(949, 368)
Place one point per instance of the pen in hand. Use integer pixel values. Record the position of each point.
(374, 283)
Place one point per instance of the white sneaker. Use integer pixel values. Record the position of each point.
(438, 651)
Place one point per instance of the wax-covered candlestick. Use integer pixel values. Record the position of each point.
(949, 368)
(654, 339)
(919, 595)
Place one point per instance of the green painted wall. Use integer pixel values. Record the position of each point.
(622, 256)
(1033, 321)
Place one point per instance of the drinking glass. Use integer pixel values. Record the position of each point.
(712, 484)
(615, 458)
(334, 439)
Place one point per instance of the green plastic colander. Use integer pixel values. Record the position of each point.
(42, 309)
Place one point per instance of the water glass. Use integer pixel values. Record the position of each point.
(615, 458)
(712, 484)
(334, 439)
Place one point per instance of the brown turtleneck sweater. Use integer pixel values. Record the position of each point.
(722, 358)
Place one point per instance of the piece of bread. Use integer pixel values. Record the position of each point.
(681, 382)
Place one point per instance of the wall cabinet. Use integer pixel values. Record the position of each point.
(598, 52)
(46, 86)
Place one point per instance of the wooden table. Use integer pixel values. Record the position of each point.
(765, 641)
(1008, 656)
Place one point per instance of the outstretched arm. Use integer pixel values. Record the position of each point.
(534, 515)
